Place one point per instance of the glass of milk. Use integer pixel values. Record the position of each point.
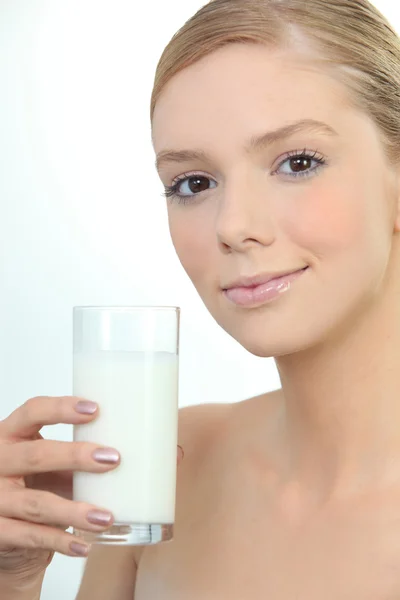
(126, 360)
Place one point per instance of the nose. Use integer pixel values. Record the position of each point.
(244, 216)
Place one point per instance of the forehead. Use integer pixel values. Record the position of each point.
(240, 88)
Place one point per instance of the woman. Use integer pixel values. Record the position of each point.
(277, 133)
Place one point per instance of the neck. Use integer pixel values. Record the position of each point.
(341, 408)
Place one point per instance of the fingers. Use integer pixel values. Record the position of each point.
(49, 509)
(42, 456)
(45, 456)
(59, 483)
(20, 534)
(31, 518)
(30, 417)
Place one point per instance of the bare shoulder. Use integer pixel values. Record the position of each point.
(199, 423)
(210, 430)
(203, 415)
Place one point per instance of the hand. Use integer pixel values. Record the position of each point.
(36, 504)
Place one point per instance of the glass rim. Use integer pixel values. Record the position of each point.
(127, 308)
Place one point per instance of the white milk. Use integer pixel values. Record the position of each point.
(137, 395)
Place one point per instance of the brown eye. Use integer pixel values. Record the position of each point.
(298, 164)
(188, 189)
(197, 184)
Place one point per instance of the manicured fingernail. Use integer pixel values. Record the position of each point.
(99, 517)
(79, 549)
(86, 407)
(107, 456)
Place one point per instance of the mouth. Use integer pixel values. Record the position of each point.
(261, 292)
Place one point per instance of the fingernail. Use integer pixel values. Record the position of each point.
(86, 407)
(79, 549)
(99, 517)
(106, 456)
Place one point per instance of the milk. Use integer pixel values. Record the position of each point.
(137, 394)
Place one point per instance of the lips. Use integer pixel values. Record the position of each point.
(256, 280)
(262, 291)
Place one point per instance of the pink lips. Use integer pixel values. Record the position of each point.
(265, 292)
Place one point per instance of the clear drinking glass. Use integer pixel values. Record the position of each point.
(126, 360)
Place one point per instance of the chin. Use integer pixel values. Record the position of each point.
(265, 340)
(272, 349)
(279, 329)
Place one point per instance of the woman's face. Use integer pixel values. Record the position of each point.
(242, 211)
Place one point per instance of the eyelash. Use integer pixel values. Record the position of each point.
(171, 190)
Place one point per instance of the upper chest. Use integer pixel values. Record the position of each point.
(230, 542)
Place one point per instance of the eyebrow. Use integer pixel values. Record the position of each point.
(255, 143)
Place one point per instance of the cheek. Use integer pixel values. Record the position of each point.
(329, 220)
(194, 244)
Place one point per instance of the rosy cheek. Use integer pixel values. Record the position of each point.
(328, 219)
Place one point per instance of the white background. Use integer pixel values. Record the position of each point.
(82, 218)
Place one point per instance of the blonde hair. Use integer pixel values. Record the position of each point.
(350, 37)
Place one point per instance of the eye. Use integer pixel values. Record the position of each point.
(188, 187)
(300, 163)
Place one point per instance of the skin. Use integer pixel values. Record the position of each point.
(335, 335)
(320, 457)
(294, 493)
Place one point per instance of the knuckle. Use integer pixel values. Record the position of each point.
(30, 406)
(53, 406)
(33, 508)
(36, 539)
(31, 400)
(33, 455)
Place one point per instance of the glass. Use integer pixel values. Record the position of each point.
(126, 360)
